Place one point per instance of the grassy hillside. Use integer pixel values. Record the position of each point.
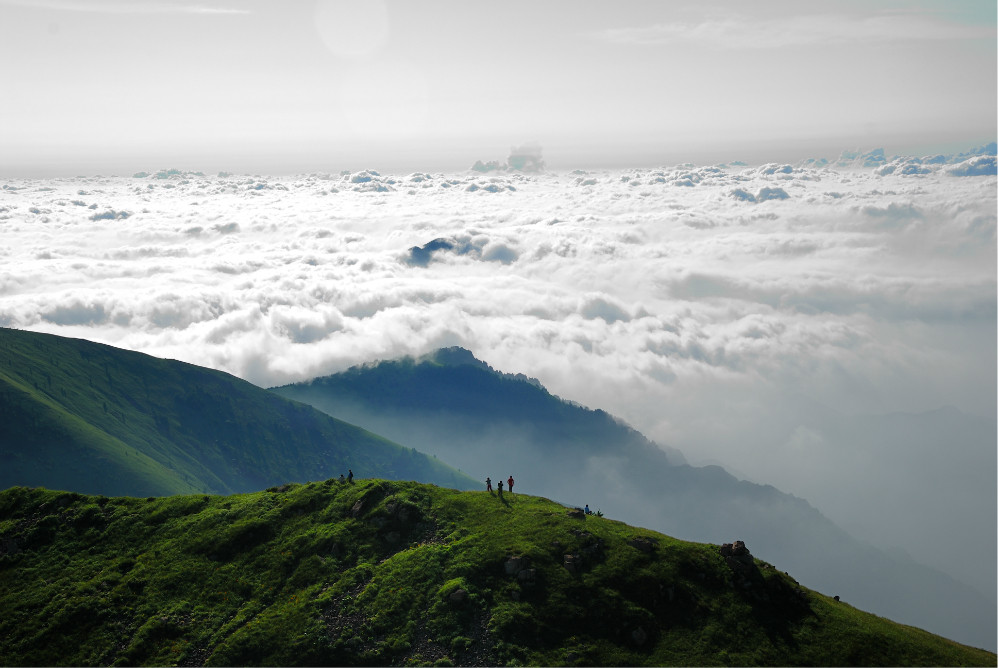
(87, 417)
(393, 573)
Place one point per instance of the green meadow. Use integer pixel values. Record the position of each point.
(383, 572)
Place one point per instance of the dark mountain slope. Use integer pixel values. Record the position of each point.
(92, 418)
(398, 573)
(488, 423)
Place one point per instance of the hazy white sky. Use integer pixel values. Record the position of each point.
(119, 85)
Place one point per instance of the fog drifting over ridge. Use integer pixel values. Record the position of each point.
(785, 321)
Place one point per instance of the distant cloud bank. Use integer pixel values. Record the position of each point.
(525, 158)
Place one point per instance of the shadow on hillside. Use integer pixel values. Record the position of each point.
(779, 607)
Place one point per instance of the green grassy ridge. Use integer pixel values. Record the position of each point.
(399, 573)
(97, 419)
(62, 449)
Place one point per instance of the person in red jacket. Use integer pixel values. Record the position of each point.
(510, 483)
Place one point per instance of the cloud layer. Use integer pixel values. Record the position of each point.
(727, 311)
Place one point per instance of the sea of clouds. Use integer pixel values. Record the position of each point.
(825, 327)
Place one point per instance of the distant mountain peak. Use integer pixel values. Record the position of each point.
(455, 356)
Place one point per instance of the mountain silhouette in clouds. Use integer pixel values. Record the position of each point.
(488, 423)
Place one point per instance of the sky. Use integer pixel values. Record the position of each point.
(827, 327)
(109, 86)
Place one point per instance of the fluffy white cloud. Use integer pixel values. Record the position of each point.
(720, 310)
(977, 166)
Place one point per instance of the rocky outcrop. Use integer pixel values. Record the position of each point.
(738, 558)
(519, 567)
(571, 563)
(357, 509)
(747, 577)
(514, 565)
(643, 543)
(590, 551)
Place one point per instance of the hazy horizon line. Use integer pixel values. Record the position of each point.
(447, 162)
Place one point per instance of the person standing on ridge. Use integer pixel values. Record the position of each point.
(488, 484)
(350, 476)
(500, 487)
(510, 483)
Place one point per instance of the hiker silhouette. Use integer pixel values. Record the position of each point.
(488, 484)
(510, 483)
(500, 487)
